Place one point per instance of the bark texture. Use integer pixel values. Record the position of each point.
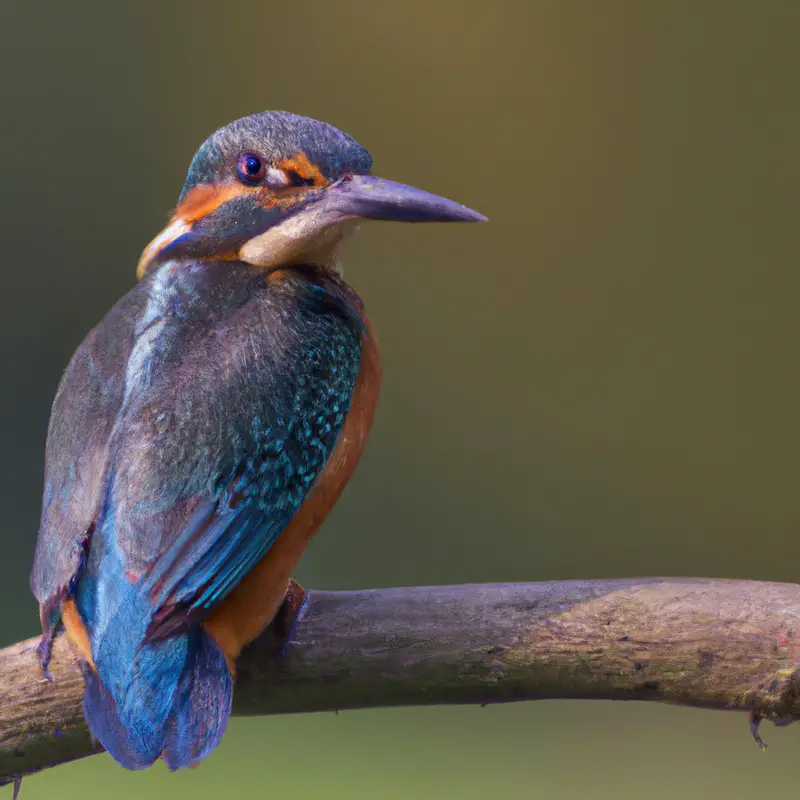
(721, 644)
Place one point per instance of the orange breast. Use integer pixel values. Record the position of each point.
(250, 607)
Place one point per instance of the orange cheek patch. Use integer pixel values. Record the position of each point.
(304, 168)
(205, 198)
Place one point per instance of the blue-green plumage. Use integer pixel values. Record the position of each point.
(196, 419)
(213, 428)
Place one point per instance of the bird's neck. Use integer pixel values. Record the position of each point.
(296, 241)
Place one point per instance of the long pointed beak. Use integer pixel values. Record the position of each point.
(268, 235)
(377, 198)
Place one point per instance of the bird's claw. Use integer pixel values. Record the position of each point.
(755, 718)
(45, 650)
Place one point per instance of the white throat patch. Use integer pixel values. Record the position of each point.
(314, 236)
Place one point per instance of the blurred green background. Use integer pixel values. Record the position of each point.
(600, 382)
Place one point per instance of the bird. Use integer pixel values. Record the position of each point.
(204, 429)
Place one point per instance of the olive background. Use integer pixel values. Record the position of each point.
(602, 381)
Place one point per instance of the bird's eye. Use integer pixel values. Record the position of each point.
(250, 168)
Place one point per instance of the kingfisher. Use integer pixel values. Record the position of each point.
(205, 428)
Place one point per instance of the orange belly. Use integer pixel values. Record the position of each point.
(251, 606)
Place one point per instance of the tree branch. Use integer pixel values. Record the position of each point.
(713, 643)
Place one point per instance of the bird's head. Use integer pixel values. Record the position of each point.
(279, 189)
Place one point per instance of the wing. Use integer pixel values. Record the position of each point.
(230, 411)
(85, 408)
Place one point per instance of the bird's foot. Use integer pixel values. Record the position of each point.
(45, 650)
(755, 718)
(289, 614)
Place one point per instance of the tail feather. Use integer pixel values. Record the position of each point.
(100, 710)
(200, 715)
(173, 701)
(151, 690)
(169, 697)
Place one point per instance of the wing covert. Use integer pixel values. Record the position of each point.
(84, 410)
(228, 417)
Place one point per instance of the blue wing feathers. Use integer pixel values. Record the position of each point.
(137, 695)
(82, 419)
(204, 453)
(220, 543)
